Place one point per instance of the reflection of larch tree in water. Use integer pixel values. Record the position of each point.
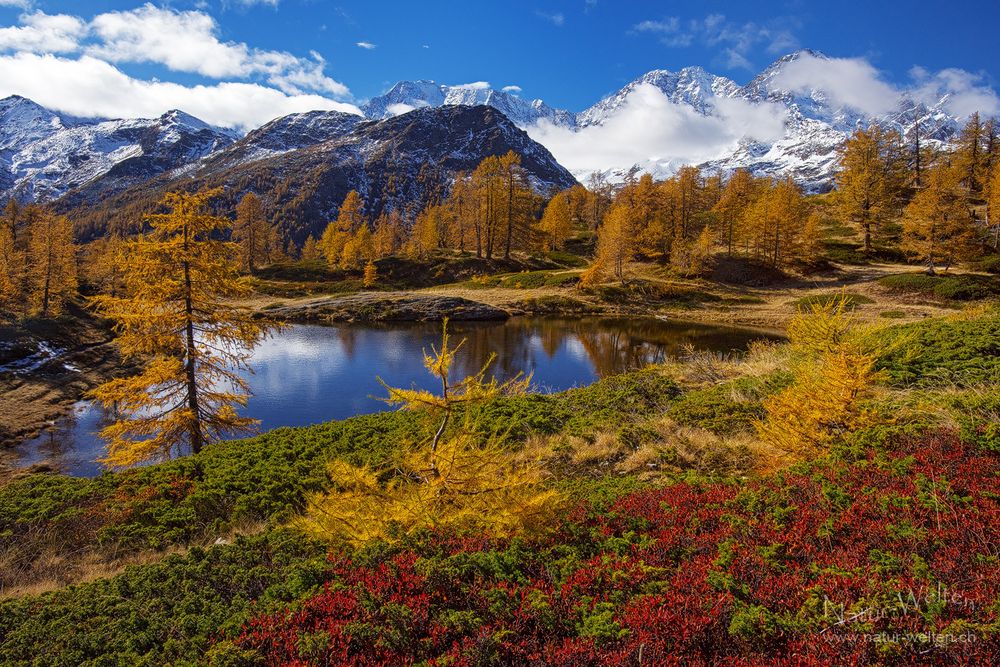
(552, 338)
(510, 343)
(614, 351)
(348, 339)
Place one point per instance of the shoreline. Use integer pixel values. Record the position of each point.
(32, 401)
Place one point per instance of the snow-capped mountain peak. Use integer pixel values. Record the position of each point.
(406, 96)
(45, 154)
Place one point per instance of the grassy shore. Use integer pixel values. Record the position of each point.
(684, 536)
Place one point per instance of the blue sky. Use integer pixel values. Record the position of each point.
(293, 54)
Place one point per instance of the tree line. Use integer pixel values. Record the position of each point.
(38, 265)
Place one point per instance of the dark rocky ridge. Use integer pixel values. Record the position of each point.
(393, 163)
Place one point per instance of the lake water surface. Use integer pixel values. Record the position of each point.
(308, 374)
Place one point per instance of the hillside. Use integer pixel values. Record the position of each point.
(304, 166)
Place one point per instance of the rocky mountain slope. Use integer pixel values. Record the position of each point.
(44, 155)
(393, 163)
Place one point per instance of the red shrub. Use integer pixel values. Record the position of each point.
(892, 559)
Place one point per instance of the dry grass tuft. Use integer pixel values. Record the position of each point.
(603, 447)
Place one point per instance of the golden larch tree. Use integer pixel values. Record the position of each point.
(834, 374)
(252, 233)
(371, 274)
(969, 154)
(388, 234)
(11, 269)
(176, 316)
(701, 252)
(310, 249)
(938, 228)
(736, 197)
(426, 235)
(456, 480)
(52, 275)
(615, 242)
(103, 265)
(993, 208)
(350, 217)
(556, 224)
(871, 181)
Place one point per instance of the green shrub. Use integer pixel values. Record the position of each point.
(164, 613)
(979, 418)
(845, 253)
(964, 287)
(938, 352)
(989, 264)
(567, 259)
(727, 408)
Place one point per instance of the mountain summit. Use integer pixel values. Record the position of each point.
(655, 123)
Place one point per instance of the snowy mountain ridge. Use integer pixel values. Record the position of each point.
(44, 154)
(815, 124)
(655, 123)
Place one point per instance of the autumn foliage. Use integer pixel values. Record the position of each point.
(887, 560)
(175, 316)
(457, 479)
(833, 364)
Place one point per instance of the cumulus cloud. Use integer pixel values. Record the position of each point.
(182, 41)
(71, 64)
(41, 32)
(187, 41)
(651, 131)
(91, 87)
(851, 82)
(366, 45)
(475, 85)
(23, 4)
(513, 90)
(400, 108)
(856, 83)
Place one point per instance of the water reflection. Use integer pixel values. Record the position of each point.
(310, 373)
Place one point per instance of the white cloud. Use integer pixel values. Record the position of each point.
(557, 19)
(94, 88)
(856, 83)
(513, 90)
(668, 30)
(735, 40)
(186, 41)
(400, 108)
(851, 82)
(182, 41)
(23, 4)
(965, 91)
(41, 32)
(366, 45)
(653, 132)
(475, 85)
